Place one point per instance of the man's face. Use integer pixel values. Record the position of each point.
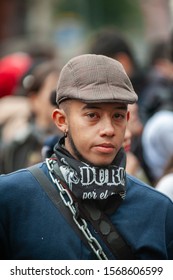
(95, 131)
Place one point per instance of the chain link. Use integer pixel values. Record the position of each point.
(80, 222)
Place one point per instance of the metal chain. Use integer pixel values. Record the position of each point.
(80, 222)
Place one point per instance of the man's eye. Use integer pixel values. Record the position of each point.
(92, 115)
(119, 116)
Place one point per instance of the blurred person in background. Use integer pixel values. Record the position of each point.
(158, 93)
(133, 164)
(165, 182)
(21, 142)
(12, 67)
(14, 111)
(38, 87)
(16, 71)
(42, 52)
(157, 143)
(136, 127)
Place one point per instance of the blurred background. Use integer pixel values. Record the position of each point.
(67, 26)
(37, 37)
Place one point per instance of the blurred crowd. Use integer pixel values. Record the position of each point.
(27, 97)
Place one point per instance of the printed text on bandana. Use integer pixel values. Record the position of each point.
(89, 175)
(96, 183)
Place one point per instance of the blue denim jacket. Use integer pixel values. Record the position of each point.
(32, 228)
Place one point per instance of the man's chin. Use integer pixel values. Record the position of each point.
(100, 163)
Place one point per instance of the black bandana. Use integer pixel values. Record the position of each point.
(88, 181)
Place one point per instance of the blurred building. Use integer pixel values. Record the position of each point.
(157, 16)
(22, 22)
(66, 24)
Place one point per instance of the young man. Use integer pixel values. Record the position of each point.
(88, 170)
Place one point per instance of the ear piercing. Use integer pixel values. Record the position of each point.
(65, 133)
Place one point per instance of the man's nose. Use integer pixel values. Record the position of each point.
(107, 128)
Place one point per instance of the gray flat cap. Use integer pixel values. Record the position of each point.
(94, 78)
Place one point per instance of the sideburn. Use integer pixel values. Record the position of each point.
(73, 149)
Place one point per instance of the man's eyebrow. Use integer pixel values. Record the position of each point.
(90, 106)
(121, 106)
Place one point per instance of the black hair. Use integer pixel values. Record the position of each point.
(160, 50)
(109, 42)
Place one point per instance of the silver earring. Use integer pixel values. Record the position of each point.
(65, 133)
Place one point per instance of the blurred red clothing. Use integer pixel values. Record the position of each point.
(12, 68)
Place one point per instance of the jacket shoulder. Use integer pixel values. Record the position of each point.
(19, 180)
(138, 188)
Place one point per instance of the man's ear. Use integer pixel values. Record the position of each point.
(60, 119)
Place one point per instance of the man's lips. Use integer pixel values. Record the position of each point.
(105, 148)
